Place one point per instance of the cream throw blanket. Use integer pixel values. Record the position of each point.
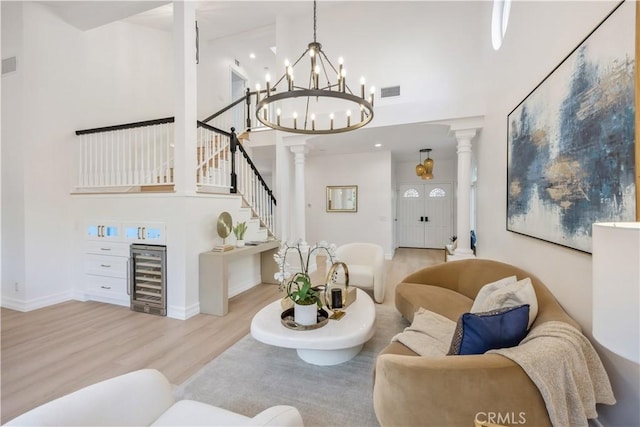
(566, 369)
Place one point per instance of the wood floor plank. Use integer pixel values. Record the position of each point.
(53, 351)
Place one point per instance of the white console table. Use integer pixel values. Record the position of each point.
(214, 274)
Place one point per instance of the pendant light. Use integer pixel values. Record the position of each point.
(425, 170)
(279, 107)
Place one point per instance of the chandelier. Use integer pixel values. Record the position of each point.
(425, 170)
(318, 101)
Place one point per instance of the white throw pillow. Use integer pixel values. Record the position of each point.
(487, 290)
(511, 295)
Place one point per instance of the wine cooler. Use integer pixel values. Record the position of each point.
(148, 279)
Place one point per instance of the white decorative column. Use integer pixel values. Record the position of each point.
(463, 225)
(299, 230)
(186, 98)
(282, 180)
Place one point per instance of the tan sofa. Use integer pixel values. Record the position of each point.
(410, 390)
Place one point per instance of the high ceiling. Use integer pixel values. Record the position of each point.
(249, 26)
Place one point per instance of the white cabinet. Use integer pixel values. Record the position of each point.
(152, 233)
(106, 271)
(106, 256)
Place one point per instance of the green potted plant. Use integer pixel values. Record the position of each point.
(239, 231)
(306, 301)
(297, 286)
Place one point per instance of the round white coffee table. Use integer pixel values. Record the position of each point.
(334, 343)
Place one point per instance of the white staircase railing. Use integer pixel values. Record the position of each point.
(213, 154)
(135, 154)
(141, 155)
(251, 185)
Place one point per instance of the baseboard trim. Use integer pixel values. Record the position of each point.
(183, 313)
(36, 303)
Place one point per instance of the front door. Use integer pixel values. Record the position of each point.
(425, 215)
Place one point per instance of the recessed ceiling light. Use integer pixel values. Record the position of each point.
(252, 55)
(378, 145)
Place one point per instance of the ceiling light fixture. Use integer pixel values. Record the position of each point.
(425, 170)
(318, 103)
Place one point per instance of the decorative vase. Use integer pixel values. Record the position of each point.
(239, 243)
(450, 249)
(305, 314)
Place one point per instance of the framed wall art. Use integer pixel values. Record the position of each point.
(570, 148)
(342, 198)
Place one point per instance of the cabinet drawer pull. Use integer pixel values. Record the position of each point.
(105, 287)
(105, 249)
(105, 265)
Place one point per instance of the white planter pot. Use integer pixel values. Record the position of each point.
(305, 314)
(239, 243)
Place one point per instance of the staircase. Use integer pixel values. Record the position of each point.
(139, 157)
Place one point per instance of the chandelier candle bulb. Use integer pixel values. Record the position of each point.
(362, 87)
(295, 120)
(372, 92)
(343, 77)
(268, 80)
(313, 122)
(278, 111)
(290, 77)
(331, 120)
(348, 118)
(257, 93)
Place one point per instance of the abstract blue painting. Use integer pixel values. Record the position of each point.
(570, 153)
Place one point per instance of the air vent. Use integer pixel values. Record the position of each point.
(387, 92)
(9, 65)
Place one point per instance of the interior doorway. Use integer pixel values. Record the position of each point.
(425, 215)
(238, 88)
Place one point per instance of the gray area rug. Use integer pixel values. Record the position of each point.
(251, 376)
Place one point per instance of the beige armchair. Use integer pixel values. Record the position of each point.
(366, 266)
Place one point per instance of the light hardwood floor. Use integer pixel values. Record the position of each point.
(53, 351)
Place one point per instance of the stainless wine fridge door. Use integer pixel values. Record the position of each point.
(148, 278)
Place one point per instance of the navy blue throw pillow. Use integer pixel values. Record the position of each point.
(476, 333)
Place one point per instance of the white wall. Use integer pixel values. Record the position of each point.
(66, 80)
(12, 154)
(423, 46)
(539, 36)
(214, 77)
(48, 69)
(373, 222)
(125, 75)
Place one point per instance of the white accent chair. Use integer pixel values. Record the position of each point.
(365, 262)
(143, 398)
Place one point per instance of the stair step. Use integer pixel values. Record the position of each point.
(157, 188)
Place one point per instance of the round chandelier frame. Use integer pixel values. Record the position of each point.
(321, 70)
